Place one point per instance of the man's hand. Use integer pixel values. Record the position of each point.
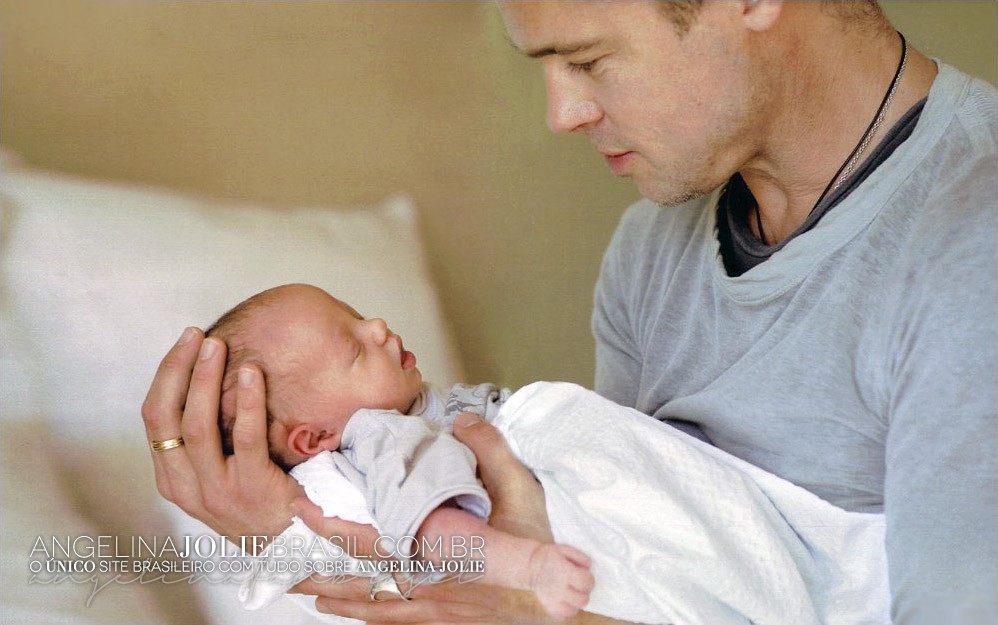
(517, 498)
(447, 602)
(241, 495)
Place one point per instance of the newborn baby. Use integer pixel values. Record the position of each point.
(339, 382)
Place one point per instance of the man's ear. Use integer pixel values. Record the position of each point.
(308, 439)
(760, 15)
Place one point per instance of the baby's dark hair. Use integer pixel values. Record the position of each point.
(230, 328)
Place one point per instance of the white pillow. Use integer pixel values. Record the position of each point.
(35, 507)
(99, 280)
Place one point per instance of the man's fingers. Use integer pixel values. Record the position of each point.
(249, 432)
(356, 539)
(311, 514)
(161, 414)
(422, 611)
(498, 467)
(517, 498)
(200, 421)
(165, 400)
(365, 610)
(353, 589)
(445, 602)
(253, 481)
(184, 400)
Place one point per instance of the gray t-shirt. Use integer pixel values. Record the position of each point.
(858, 362)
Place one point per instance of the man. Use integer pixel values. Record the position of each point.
(811, 286)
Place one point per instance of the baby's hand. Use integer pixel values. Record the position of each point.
(560, 577)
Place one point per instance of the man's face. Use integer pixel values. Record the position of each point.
(671, 112)
(337, 362)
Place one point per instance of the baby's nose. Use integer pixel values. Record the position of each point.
(379, 330)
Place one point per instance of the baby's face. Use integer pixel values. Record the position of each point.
(329, 362)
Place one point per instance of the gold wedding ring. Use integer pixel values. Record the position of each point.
(167, 444)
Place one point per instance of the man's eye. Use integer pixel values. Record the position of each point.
(583, 68)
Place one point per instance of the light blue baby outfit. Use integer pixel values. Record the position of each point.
(408, 465)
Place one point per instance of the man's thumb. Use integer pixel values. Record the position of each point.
(496, 464)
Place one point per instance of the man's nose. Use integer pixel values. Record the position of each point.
(570, 107)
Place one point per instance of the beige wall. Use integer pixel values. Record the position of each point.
(305, 102)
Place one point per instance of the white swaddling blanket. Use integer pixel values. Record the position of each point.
(682, 532)
(678, 531)
(332, 491)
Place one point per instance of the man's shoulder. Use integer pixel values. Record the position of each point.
(965, 111)
(951, 193)
(959, 170)
(978, 115)
(943, 214)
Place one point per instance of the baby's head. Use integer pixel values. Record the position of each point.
(321, 360)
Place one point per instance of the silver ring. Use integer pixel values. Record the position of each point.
(385, 584)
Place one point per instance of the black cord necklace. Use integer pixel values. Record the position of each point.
(850, 163)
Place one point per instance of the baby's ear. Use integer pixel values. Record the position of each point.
(309, 439)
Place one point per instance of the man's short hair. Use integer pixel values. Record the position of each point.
(683, 13)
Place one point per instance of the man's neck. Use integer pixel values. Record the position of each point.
(828, 103)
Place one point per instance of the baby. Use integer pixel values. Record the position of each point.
(339, 382)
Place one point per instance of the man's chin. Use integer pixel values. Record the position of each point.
(682, 199)
(667, 195)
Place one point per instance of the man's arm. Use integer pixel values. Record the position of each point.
(941, 465)
(939, 496)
